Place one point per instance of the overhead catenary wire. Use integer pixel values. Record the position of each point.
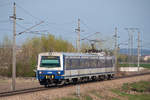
(21, 26)
(82, 22)
(89, 35)
(48, 23)
(33, 32)
(45, 22)
(27, 12)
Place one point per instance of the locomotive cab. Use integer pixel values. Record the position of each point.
(50, 68)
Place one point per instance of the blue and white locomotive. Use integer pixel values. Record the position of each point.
(62, 68)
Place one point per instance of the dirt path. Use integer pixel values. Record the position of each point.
(68, 91)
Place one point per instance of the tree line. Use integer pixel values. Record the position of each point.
(28, 52)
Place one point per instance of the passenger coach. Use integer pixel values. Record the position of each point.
(62, 68)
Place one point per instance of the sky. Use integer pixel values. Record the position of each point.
(61, 17)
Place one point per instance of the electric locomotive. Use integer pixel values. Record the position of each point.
(57, 68)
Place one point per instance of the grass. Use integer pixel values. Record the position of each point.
(118, 92)
(139, 97)
(69, 98)
(83, 97)
(135, 65)
(96, 94)
(141, 92)
(132, 96)
(115, 98)
(140, 87)
(87, 97)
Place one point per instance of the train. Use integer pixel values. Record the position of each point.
(58, 68)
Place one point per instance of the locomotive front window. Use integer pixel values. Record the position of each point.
(50, 61)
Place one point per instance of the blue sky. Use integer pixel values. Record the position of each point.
(60, 18)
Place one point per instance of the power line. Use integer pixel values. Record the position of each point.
(37, 33)
(27, 12)
(90, 35)
(86, 25)
(30, 14)
(26, 30)
(56, 28)
(33, 32)
(21, 26)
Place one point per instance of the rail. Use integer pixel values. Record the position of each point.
(23, 91)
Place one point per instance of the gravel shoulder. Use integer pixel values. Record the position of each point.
(21, 83)
(53, 94)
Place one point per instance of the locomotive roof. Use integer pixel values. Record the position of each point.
(73, 54)
(79, 54)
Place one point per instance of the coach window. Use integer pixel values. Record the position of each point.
(95, 63)
(110, 63)
(92, 63)
(68, 63)
(86, 63)
(82, 63)
(103, 63)
(75, 63)
(100, 63)
(107, 63)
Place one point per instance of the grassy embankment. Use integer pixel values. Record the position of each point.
(134, 91)
(128, 91)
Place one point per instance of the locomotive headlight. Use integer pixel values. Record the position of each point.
(40, 72)
(58, 72)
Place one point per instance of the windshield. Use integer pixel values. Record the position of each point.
(50, 61)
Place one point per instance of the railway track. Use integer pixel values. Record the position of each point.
(23, 91)
(10, 93)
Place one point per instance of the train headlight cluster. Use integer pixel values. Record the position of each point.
(40, 72)
(58, 72)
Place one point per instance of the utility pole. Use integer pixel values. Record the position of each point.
(129, 49)
(138, 50)
(132, 49)
(14, 49)
(14, 45)
(78, 50)
(130, 45)
(116, 49)
(78, 38)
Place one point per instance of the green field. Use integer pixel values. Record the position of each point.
(135, 65)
